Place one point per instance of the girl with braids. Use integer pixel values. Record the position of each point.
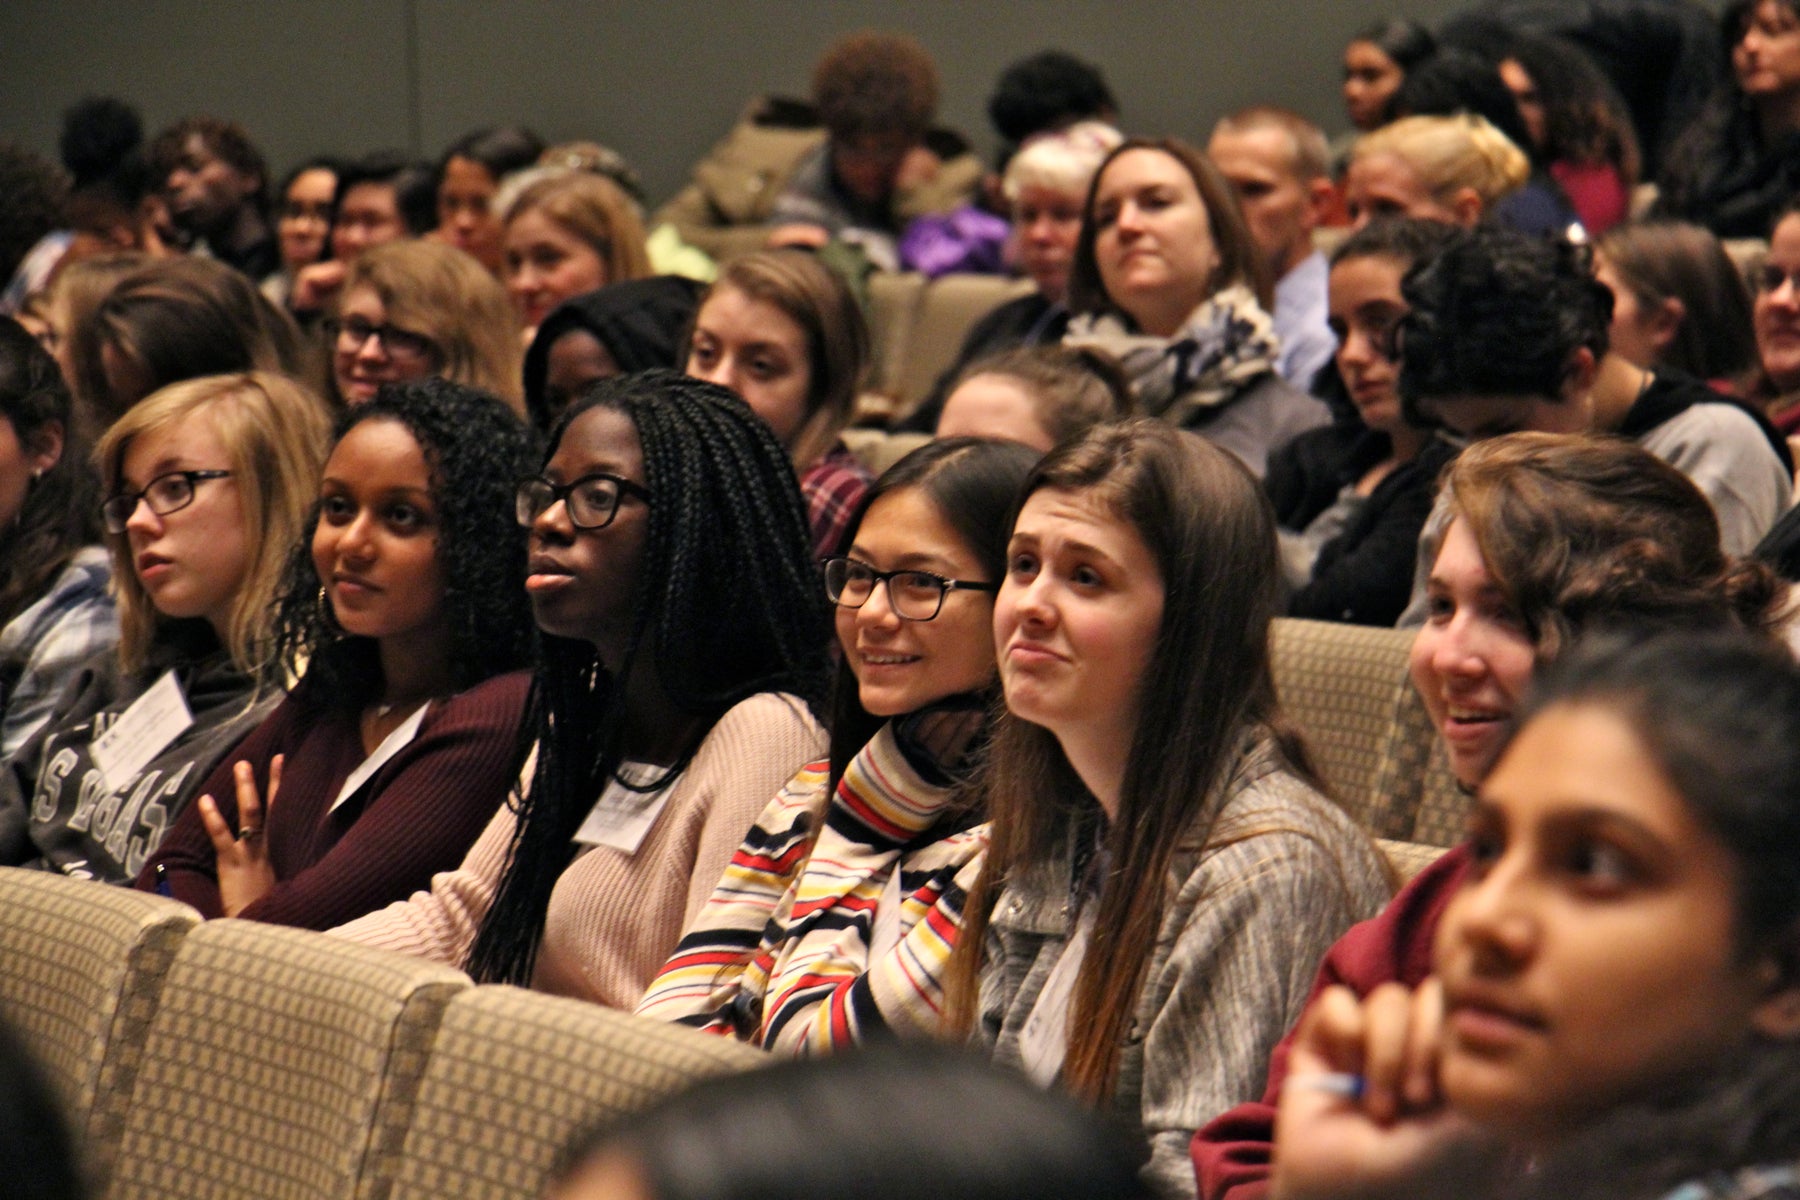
(1614, 996)
(1163, 872)
(684, 657)
(833, 921)
(55, 612)
(404, 614)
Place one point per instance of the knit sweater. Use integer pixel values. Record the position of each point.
(1245, 923)
(416, 814)
(781, 954)
(614, 917)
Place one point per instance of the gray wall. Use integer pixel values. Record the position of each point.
(659, 82)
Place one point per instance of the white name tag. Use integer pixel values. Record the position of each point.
(154, 720)
(621, 818)
(1044, 1042)
(391, 745)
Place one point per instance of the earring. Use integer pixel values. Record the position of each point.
(327, 618)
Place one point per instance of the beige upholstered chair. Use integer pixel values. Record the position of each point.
(1408, 858)
(281, 1065)
(513, 1074)
(84, 965)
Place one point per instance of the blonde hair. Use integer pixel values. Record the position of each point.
(450, 298)
(1451, 153)
(595, 210)
(275, 434)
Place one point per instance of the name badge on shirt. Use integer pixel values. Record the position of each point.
(621, 818)
(144, 730)
(1044, 1042)
(391, 745)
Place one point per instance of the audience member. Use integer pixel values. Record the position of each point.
(381, 198)
(56, 607)
(1453, 169)
(803, 1131)
(1775, 319)
(403, 616)
(620, 329)
(33, 196)
(217, 188)
(1042, 396)
(684, 658)
(1278, 164)
(1351, 497)
(208, 482)
(1162, 870)
(307, 204)
(1167, 280)
(1620, 1020)
(415, 309)
(832, 923)
(1678, 302)
(112, 190)
(1046, 92)
(1376, 61)
(1549, 537)
(1738, 164)
(467, 180)
(566, 235)
(74, 296)
(786, 335)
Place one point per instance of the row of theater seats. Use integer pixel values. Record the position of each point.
(232, 1059)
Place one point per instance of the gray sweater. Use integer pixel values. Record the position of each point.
(1246, 923)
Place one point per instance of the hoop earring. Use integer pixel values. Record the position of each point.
(327, 617)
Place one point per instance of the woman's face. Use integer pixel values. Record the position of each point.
(546, 264)
(20, 464)
(1370, 80)
(574, 360)
(1385, 185)
(759, 352)
(1471, 659)
(368, 215)
(305, 220)
(584, 582)
(1766, 58)
(465, 211)
(994, 406)
(1077, 619)
(1777, 309)
(1636, 335)
(903, 665)
(1366, 307)
(1153, 240)
(191, 562)
(1046, 226)
(1525, 94)
(1594, 954)
(376, 544)
(367, 352)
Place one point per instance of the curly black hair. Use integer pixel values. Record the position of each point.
(728, 604)
(477, 450)
(1499, 313)
(1047, 90)
(33, 191)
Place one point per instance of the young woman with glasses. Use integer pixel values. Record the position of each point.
(403, 613)
(683, 658)
(415, 309)
(207, 485)
(836, 915)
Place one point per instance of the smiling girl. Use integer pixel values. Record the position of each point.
(567, 235)
(405, 603)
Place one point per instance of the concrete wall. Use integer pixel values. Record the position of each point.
(657, 81)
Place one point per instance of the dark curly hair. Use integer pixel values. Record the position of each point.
(874, 83)
(61, 513)
(33, 191)
(476, 449)
(1048, 90)
(728, 604)
(1499, 313)
(225, 140)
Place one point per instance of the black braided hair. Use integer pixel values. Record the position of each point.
(477, 450)
(727, 604)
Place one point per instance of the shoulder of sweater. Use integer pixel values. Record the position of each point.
(761, 724)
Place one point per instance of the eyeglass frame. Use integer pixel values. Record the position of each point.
(116, 514)
(396, 341)
(946, 585)
(562, 491)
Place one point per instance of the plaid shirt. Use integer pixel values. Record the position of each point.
(1778, 1182)
(41, 648)
(832, 488)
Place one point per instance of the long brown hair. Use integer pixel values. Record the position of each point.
(1210, 529)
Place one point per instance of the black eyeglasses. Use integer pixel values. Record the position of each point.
(913, 595)
(592, 501)
(165, 494)
(353, 333)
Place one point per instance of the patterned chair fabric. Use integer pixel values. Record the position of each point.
(84, 966)
(1407, 858)
(280, 1065)
(514, 1074)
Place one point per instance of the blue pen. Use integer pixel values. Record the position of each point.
(1337, 1083)
(162, 881)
